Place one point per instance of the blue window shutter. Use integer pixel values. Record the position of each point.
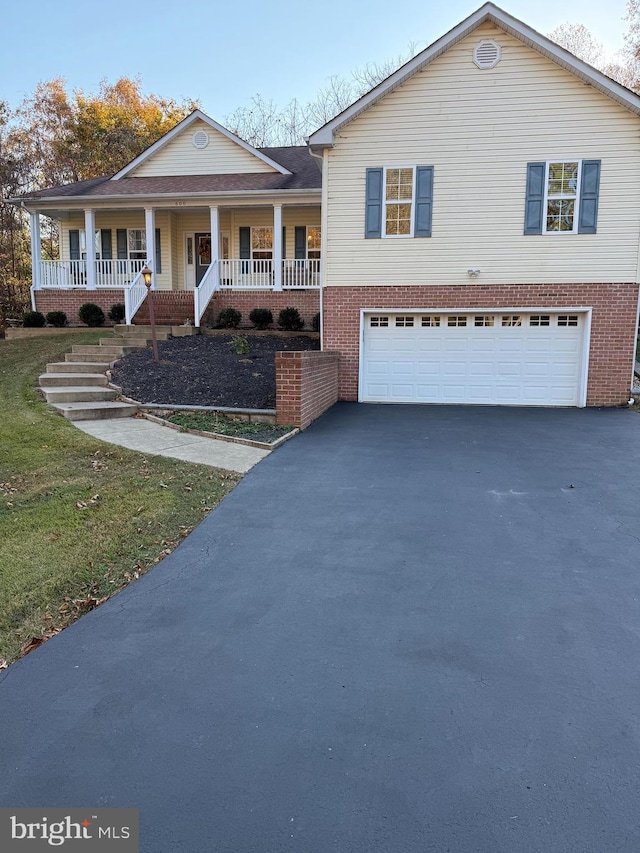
(74, 244)
(589, 190)
(245, 247)
(424, 201)
(106, 249)
(284, 242)
(373, 208)
(158, 257)
(301, 242)
(121, 243)
(533, 212)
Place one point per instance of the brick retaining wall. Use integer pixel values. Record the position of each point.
(306, 385)
(70, 301)
(306, 301)
(613, 324)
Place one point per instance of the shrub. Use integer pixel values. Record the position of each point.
(229, 318)
(290, 320)
(33, 320)
(261, 317)
(315, 322)
(116, 312)
(239, 344)
(91, 314)
(57, 319)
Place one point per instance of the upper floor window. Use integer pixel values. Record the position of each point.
(562, 197)
(398, 201)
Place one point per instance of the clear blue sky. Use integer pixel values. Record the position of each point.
(222, 53)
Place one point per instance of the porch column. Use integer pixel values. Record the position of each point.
(90, 244)
(36, 250)
(277, 246)
(215, 234)
(150, 229)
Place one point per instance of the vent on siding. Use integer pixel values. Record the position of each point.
(200, 139)
(486, 54)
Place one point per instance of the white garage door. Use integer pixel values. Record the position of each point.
(500, 358)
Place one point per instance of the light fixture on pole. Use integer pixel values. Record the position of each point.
(147, 276)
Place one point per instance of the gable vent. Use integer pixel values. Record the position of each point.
(486, 54)
(200, 139)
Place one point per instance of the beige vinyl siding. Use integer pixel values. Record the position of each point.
(479, 129)
(125, 219)
(222, 156)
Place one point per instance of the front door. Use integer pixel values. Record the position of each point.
(203, 255)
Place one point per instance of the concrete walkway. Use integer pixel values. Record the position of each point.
(147, 437)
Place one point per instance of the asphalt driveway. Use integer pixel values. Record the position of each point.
(410, 629)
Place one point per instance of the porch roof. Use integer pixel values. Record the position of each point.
(305, 175)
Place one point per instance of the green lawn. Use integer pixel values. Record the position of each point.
(78, 518)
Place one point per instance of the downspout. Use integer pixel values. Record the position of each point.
(320, 158)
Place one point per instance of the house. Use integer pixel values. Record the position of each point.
(219, 222)
(478, 226)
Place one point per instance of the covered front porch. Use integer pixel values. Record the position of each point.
(192, 250)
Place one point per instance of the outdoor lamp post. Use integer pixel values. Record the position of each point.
(146, 277)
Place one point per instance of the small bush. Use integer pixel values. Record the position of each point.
(91, 314)
(315, 322)
(57, 319)
(33, 320)
(289, 319)
(116, 312)
(239, 344)
(261, 318)
(229, 318)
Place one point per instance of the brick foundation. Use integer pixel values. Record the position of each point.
(613, 324)
(170, 308)
(70, 301)
(306, 385)
(306, 301)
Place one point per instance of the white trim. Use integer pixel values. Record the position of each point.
(324, 137)
(215, 233)
(197, 115)
(150, 230)
(36, 252)
(586, 339)
(138, 200)
(90, 247)
(576, 207)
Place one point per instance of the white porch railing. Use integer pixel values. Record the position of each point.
(134, 295)
(205, 290)
(236, 274)
(246, 274)
(63, 274)
(117, 273)
(300, 275)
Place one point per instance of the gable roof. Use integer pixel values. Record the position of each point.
(323, 137)
(301, 172)
(196, 115)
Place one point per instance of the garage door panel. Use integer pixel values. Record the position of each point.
(531, 360)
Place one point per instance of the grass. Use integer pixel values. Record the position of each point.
(78, 518)
(215, 423)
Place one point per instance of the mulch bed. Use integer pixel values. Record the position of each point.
(204, 371)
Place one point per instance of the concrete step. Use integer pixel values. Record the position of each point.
(51, 380)
(122, 329)
(128, 341)
(95, 411)
(86, 358)
(78, 366)
(78, 394)
(111, 351)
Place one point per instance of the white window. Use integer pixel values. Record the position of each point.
(262, 244)
(313, 244)
(137, 244)
(562, 192)
(399, 194)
